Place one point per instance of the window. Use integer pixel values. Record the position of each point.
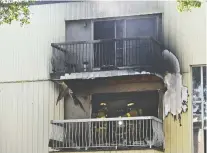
(199, 108)
(112, 53)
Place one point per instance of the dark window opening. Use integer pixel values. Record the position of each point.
(104, 52)
(118, 104)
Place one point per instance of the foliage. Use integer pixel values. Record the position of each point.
(14, 11)
(187, 5)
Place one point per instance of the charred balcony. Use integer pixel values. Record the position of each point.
(137, 54)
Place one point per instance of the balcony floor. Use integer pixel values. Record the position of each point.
(141, 150)
(99, 74)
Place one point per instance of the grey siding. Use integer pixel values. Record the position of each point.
(25, 113)
(27, 98)
(28, 58)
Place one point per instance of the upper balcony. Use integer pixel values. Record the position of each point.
(113, 56)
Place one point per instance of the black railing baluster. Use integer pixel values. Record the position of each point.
(84, 55)
(103, 46)
(136, 51)
(100, 55)
(103, 61)
(126, 53)
(115, 54)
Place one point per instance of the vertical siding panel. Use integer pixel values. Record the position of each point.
(30, 101)
(25, 109)
(186, 133)
(34, 118)
(1, 117)
(8, 117)
(173, 133)
(19, 113)
(5, 124)
(187, 129)
(179, 136)
(24, 117)
(40, 116)
(51, 105)
(46, 119)
(167, 123)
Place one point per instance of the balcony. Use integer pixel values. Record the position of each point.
(107, 134)
(117, 55)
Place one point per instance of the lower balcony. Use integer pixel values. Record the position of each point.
(132, 133)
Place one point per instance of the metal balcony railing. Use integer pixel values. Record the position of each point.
(107, 133)
(143, 53)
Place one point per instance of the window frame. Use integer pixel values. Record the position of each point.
(202, 101)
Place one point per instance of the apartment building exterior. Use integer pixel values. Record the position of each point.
(110, 53)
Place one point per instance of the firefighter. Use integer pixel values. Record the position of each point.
(102, 113)
(132, 111)
(101, 128)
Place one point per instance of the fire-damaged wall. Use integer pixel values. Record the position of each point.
(85, 90)
(149, 98)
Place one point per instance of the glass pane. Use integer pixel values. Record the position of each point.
(204, 94)
(205, 135)
(197, 108)
(196, 84)
(197, 93)
(204, 82)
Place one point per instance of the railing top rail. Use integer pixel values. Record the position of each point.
(158, 43)
(99, 41)
(106, 119)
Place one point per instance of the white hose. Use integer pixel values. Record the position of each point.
(172, 60)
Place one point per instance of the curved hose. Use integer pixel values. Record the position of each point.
(172, 62)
